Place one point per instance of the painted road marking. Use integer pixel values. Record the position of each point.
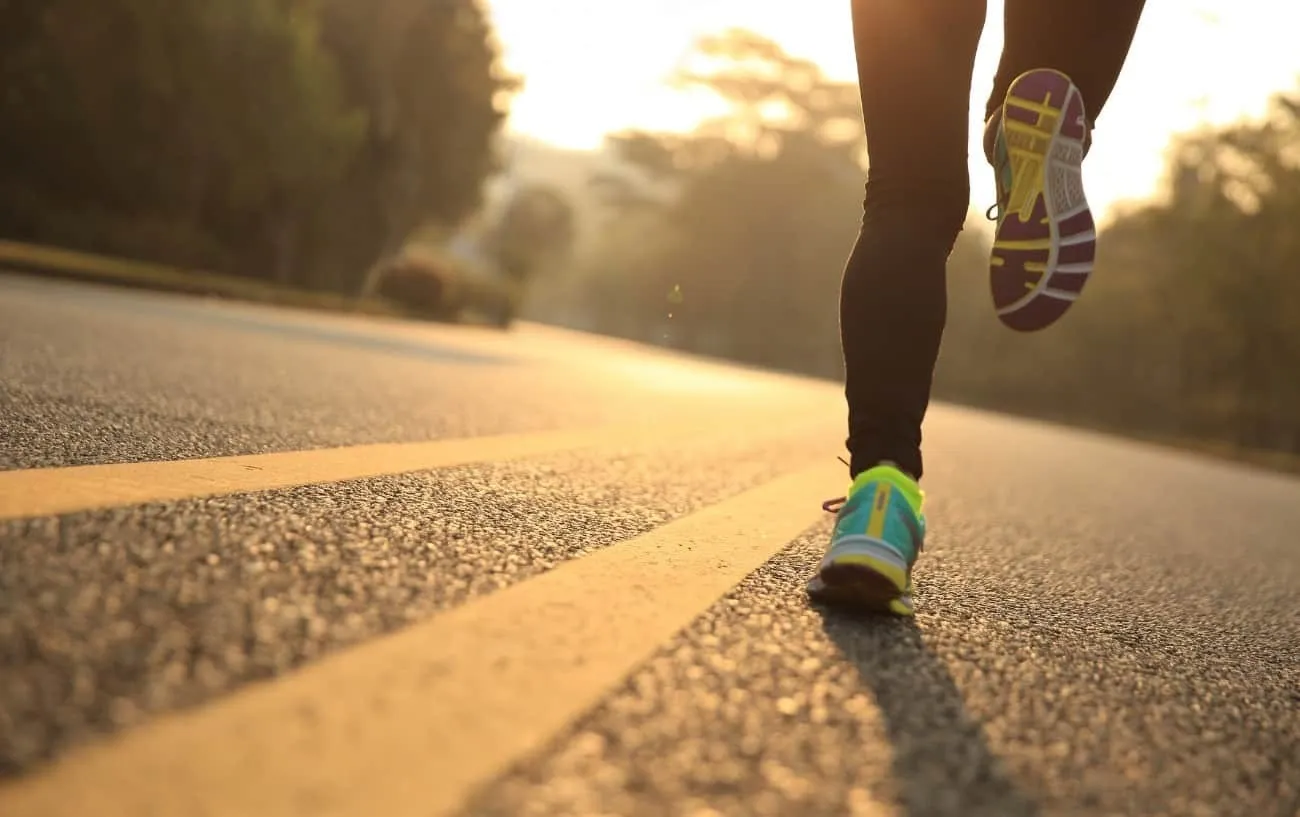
(50, 491)
(413, 723)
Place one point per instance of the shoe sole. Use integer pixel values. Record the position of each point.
(1044, 249)
(863, 581)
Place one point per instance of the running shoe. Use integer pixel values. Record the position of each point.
(1046, 240)
(879, 532)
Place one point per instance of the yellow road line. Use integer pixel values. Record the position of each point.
(49, 491)
(413, 723)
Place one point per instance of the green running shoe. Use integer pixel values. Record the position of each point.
(879, 533)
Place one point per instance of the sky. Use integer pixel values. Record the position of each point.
(591, 67)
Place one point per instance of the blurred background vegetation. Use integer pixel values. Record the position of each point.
(357, 148)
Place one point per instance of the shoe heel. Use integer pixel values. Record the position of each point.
(864, 575)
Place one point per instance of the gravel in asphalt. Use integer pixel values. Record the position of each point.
(99, 376)
(1105, 629)
(109, 616)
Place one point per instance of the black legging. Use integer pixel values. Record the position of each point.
(915, 59)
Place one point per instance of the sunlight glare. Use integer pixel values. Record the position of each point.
(592, 67)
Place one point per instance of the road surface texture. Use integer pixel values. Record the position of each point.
(266, 562)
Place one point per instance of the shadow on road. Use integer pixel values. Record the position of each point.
(943, 766)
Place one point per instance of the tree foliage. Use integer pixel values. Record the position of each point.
(296, 139)
(726, 237)
(534, 232)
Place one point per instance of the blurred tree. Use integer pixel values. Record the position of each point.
(534, 232)
(756, 209)
(179, 131)
(1231, 254)
(426, 72)
(295, 139)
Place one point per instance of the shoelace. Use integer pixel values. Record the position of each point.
(832, 506)
(992, 213)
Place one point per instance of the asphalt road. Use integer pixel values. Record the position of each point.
(1104, 628)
